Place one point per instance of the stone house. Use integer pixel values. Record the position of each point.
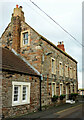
(20, 86)
(58, 69)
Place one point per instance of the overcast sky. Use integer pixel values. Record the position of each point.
(68, 13)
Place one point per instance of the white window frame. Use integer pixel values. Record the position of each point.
(20, 85)
(74, 88)
(66, 70)
(53, 72)
(16, 102)
(54, 88)
(26, 31)
(74, 73)
(61, 88)
(60, 68)
(71, 72)
(71, 86)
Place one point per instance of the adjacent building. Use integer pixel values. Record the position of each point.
(57, 69)
(20, 85)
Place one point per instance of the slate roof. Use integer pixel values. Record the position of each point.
(12, 62)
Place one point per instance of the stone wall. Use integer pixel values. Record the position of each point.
(8, 110)
(7, 36)
(35, 53)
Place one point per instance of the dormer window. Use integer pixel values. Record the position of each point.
(25, 38)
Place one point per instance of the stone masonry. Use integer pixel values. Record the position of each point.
(39, 53)
(7, 109)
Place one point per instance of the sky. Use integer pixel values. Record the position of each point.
(68, 13)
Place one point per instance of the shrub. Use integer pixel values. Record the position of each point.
(62, 97)
(73, 96)
(54, 98)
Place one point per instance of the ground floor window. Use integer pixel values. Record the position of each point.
(53, 89)
(20, 93)
(61, 89)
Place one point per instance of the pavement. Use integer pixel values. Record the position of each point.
(52, 112)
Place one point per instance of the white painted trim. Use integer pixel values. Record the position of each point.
(55, 87)
(21, 84)
(26, 31)
(54, 65)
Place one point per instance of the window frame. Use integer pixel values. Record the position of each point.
(60, 70)
(71, 87)
(66, 71)
(54, 71)
(54, 88)
(74, 73)
(71, 72)
(24, 38)
(16, 102)
(61, 88)
(24, 32)
(20, 85)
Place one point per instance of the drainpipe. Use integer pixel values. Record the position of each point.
(41, 78)
(40, 95)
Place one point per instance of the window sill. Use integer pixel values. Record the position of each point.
(53, 73)
(25, 45)
(17, 104)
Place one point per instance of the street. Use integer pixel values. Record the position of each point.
(63, 111)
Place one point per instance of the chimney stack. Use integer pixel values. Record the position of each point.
(17, 17)
(61, 46)
(18, 12)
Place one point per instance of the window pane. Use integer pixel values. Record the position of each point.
(25, 38)
(26, 35)
(15, 93)
(52, 65)
(24, 92)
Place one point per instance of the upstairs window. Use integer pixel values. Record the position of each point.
(74, 73)
(70, 72)
(60, 69)
(25, 38)
(66, 70)
(53, 66)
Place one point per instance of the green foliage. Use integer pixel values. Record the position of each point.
(73, 96)
(54, 98)
(62, 96)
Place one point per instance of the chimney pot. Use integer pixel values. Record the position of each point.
(61, 46)
(16, 6)
(20, 7)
